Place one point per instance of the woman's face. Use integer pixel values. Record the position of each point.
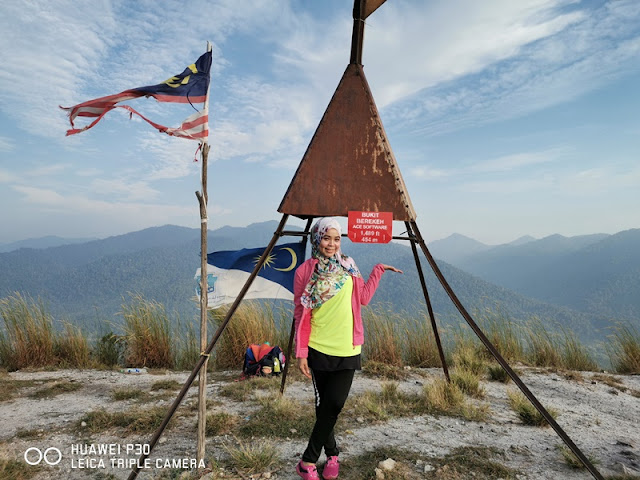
(329, 243)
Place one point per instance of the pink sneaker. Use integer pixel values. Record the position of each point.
(331, 468)
(308, 472)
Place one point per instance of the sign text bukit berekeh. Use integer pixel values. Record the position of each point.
(370, 227)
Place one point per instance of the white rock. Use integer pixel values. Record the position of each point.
(379, 474)
(388, 464)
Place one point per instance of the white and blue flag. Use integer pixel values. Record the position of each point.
(228, 271)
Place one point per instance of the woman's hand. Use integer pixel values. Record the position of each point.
(389, 267)
(303, 365)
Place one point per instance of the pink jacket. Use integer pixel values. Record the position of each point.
(362, 294)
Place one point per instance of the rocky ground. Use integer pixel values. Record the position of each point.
(600, 413)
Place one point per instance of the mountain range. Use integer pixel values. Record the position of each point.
(583, 283)
(598, 274)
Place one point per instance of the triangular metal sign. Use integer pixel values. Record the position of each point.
(348, 165)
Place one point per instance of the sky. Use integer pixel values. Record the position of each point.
(506, 118)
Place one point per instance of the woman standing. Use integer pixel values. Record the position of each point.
(328, 294)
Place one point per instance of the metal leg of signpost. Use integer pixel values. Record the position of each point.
(423, 283)
(516, 379)
(205, 355)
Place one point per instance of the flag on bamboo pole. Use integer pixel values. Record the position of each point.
(191, 86)
(228, 271)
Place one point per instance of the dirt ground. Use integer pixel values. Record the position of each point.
(601, 417)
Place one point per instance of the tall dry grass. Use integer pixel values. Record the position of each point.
(147, 334)
(251, 323)
(71, 347)
(383, 343)
(28, 338)
(624, 349)
(505, 334)
(420, 348)
(108, 349)
(468, 353)
(575, 356)
(543, 346)
(188, 347)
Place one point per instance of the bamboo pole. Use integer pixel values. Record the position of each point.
(203, 199)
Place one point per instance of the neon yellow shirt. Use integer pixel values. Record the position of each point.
(332, 325)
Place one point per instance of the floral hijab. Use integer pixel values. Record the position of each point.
(330, 273)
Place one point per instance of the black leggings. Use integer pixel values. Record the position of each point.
(331, 391)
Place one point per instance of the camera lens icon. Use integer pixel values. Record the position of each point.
(51, 456)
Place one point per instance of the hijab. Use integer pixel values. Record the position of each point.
(330, 273)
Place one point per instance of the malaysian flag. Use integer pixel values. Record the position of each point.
(191, 86)
(227, 272)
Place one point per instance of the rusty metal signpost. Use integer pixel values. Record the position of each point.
(351, 153)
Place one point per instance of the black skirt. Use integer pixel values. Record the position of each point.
(330, 363)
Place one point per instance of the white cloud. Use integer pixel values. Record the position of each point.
(431, 173)
(510, 163)
(131, 191)
(421, 44)
(559, 60)
(128, 212)
(7, 144)
(171, 157)
(262, 120)
(47, 170)
(599, 180)
(512, 186)
(41, 196)
(7, 177)
(516, 161)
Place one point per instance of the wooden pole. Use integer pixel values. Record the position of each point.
(203, 199)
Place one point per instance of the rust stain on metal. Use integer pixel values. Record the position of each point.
(348, 164)
(371, 6)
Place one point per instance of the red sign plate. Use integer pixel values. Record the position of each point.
(370, 227)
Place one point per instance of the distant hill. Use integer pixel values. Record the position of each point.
(41, 242)
(455, 247)
(522, 240)
(599, 274)
(88, 282)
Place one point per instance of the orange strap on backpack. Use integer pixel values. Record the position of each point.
(260, 350)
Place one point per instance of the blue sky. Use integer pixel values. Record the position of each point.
(506, 118)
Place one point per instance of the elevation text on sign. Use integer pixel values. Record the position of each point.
(370, 227)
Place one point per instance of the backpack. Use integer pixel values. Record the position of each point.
(262, 359)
